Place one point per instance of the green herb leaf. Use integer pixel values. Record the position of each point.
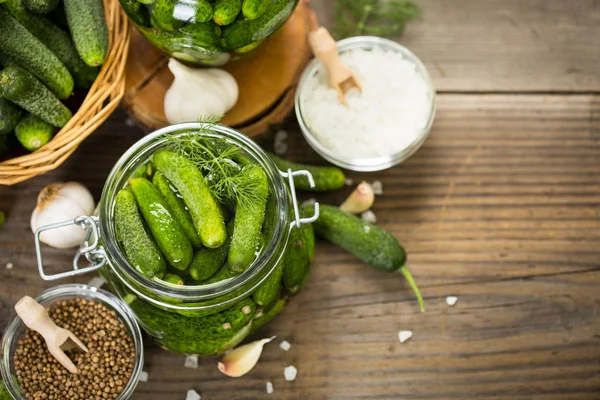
(373, 17)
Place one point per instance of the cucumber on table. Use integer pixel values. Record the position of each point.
(10, 115)
(226, 11)
(178, 208)
(243, 32)
(368, 242)
(248, 222)
(24, 49)
(253, 9)
(55, 39)
(139, 248)
(326, 178)
(87, 24)
(41, 6)
(167, 232)
(23, 89)
(33, 132)
(189, 181)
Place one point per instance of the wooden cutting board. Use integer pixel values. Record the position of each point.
(267, 79)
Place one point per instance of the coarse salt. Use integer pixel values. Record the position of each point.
(349, 182)
(280, 148)
(386, 118)
(270, 388)
(451, 300)
(9, 265)
(369, 216)
(404, 336)
(281, 136)
(290, 373)
(191, 362)
(192, 395)
(377, 187)
(143, 376)
(285, 345)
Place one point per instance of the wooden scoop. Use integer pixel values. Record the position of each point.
(341, 78)
(58, 339)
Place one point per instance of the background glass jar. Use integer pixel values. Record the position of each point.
(16, 329)
(193, 31)
(211, 318)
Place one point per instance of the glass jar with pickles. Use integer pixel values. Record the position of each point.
(200, 234)
(208, 32)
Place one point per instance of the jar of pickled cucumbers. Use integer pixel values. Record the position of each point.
(200, 234)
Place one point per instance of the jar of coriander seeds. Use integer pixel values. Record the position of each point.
(200, 234)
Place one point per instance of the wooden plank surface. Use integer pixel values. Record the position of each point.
(501, 208)
(504, 45)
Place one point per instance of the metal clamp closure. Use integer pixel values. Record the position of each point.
(298, 221)
(92, 251)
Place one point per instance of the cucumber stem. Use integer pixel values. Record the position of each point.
(411, 282)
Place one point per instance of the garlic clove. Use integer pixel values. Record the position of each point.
(241, 360)
(60, 202)
(360, 200)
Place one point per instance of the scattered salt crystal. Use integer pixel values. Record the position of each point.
(191, 362)
(280, 148)
(404, 336)
(143, 376)
(281, 136)
(285, 345)
(129, 122)
(377, 187)
(349, 182)
(290, 373)
(309, 202)
(97, 282)
(192, 395)
(270, 388)
(451, 300)
(369, 216)
(9, 265)
(387, 117)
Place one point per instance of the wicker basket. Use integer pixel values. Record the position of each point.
(102, 99)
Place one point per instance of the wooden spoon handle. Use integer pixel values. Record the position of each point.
(35, 316)
(325, 48)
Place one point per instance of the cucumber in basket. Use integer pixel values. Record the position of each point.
(41, 6)
(10, 115)
(87, 24)
(24, 49)
(33, 133)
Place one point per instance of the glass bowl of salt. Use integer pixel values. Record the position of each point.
(381, 126)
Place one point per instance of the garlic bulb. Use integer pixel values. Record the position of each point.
(199, 92)
(360, 200)
(60, 202)
(240, 361)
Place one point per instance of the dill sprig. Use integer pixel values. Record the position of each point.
(373, 17)
(223, 174)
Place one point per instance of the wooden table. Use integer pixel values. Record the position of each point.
(500, 208)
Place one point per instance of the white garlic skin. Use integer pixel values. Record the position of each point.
(198, 92)
(60, 202)
(241, 360)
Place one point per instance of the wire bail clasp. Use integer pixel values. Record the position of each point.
(93, 252)
(298, 221)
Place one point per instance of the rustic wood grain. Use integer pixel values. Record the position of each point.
(504, 45)
(500, 208)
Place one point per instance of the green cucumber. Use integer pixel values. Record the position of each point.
(173, 279)
(136, 12)
(57, 40)
(87, 24)
(24, 49)
(206, 34)
(269, 290)
(10, 115)
(204, 11)
(243, 32)
(370, 243)
(248, 222)
(223, 273)
(163, 15)
(2, 218)
(33, 133)
(189, 181)
(207, 262)
(299, 257)
(167, 232)
(226, 11)
(139, 248)
(326, 178)
(260, 320)
(178, 208)
(23, 89)
(41, 6)
(253, 9)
